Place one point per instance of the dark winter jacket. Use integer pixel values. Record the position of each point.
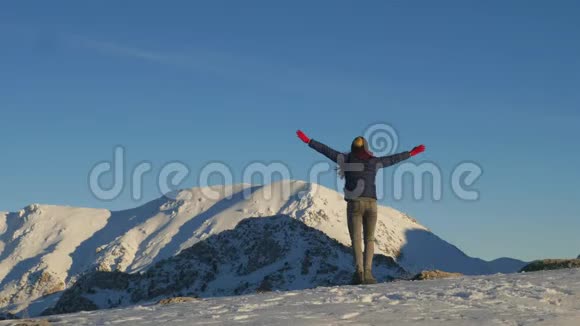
(360, 174)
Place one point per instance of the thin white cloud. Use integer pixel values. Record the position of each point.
(238, 67)
(115, 49)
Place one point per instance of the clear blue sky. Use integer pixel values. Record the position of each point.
(495, 82)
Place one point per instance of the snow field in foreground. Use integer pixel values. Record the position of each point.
(541, 298)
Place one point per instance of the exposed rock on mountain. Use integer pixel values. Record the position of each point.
(550, 264)
(278, 251)
(433, 275)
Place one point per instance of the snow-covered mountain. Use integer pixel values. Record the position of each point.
(44, 249)
(275, 253)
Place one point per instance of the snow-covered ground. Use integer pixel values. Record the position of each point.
(541, 298)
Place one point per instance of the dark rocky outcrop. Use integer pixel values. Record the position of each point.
(433, 275)
(551, 264)
(173, 300)
(263, 254)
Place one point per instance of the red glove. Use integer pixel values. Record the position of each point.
(417, 150)
(303, 136)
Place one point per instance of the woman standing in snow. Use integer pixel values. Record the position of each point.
(359, 168)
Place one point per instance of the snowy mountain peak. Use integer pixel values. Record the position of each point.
(260, 254)
(49, 247)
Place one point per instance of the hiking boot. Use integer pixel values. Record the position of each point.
(358, 278)
(368, 278)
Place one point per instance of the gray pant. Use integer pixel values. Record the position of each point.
(362, 215)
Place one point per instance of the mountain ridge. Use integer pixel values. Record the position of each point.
(45, 248)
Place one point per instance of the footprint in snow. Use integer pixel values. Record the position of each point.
(350, 315)
(215, 307)
(273, 299)
(243, 317)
